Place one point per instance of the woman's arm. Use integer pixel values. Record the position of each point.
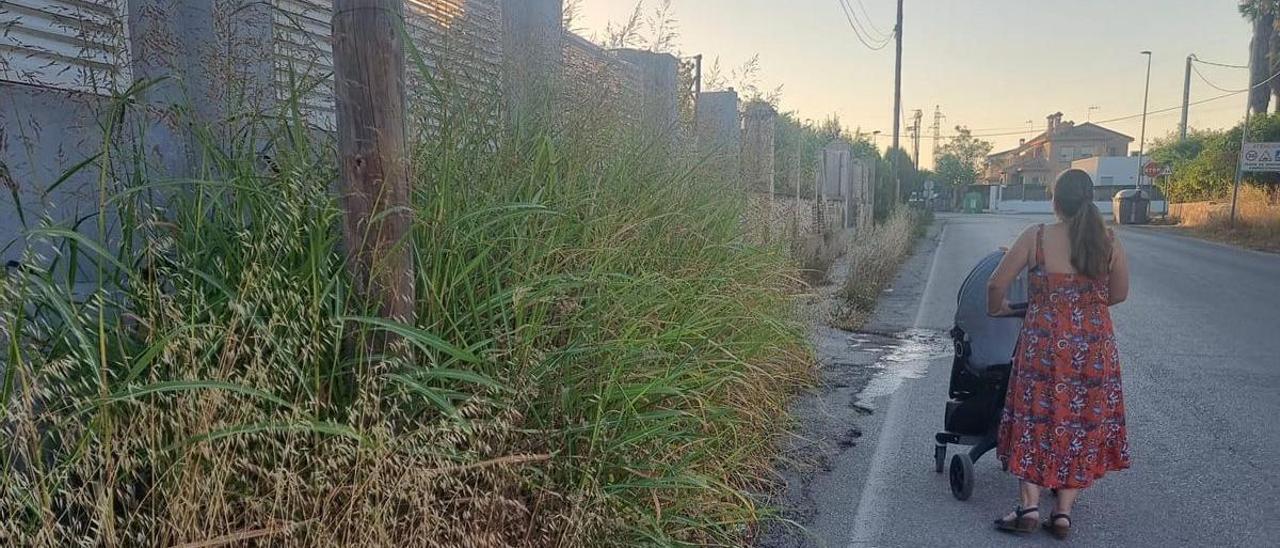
(1119, 272)
(1015, 261)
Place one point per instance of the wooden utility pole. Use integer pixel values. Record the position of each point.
(369, 77)
(897, 107)
(1186, 100)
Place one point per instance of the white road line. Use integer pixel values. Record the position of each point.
(866, 524)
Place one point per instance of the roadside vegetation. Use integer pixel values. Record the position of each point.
(1257, 220)
(1204, 170)
(598, 357)
(875, 255)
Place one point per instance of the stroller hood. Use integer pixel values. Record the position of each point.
(991, 341)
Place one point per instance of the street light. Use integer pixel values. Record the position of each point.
(1142, 141)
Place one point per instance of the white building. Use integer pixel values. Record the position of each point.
(1113, 171)
(1110, 174)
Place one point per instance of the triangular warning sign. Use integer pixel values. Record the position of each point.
(1266, 157)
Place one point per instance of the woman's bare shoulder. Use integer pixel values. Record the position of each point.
(1029, 233)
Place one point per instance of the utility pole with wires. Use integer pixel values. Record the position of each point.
(1186, 99)
(937, 133)
(897, 107)
(1142, 141)
(1244, 142)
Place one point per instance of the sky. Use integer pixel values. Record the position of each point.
(990, 65)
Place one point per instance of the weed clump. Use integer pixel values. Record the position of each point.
(874, 256)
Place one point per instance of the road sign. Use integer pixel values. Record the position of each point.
(1264, 157)
(1153, 170)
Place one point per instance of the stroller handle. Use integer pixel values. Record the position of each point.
(1017, 310)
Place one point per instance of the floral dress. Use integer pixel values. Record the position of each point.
(1063, 422)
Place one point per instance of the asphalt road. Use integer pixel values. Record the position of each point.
(1200, 345)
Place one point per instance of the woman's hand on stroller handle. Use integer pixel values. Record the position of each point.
(1011, 310)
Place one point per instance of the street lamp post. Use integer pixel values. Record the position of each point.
(1142, 141)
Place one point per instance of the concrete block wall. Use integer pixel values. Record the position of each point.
(789, 221)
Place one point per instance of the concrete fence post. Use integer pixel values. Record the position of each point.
(838, 177)
(758, 175)
(719, 133)
(533, 57)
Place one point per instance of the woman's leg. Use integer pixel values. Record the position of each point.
(1028, 497)
(1028, 494)
(1066, 500)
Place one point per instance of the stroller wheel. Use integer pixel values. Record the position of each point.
(961, 476)
(939, 458)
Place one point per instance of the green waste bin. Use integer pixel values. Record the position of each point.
(973, 203)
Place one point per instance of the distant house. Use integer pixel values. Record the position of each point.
(1035, 163)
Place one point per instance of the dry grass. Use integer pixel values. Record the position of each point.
(875, 256)
(1258, 219)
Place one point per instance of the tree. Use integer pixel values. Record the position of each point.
(960, 161)
(1264, 51)
(1204, 165)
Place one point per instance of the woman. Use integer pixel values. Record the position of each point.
(1063, 423)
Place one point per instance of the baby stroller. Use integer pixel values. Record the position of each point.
(984, 348)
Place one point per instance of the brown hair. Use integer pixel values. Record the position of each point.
(1090, 243)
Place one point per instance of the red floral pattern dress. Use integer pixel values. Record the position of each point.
(1063, 424)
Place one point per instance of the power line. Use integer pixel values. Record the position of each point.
(1202, 61)
(1220, 88)
(857, 30)
(871, 22)
(1119, 119)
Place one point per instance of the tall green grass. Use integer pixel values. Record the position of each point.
(599, 357)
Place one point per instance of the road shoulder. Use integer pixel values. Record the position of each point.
(819, 479)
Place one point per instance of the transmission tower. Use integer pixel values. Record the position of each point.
(915, 137)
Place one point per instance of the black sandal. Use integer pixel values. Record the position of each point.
(1060, 532)
(1020, 524)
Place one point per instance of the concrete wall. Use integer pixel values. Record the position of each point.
(214, 64)
(660, 92)
(789, 221)
(599, 83)
(196, 49)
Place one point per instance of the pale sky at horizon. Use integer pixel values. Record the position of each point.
(991, 65)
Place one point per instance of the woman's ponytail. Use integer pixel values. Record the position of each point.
(1090, 243)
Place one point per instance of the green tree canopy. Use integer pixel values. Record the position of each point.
(960, 160)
